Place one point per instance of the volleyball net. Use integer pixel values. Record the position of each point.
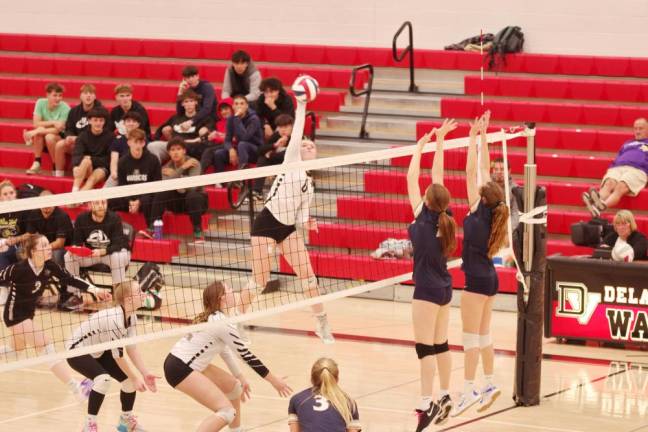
(355, 234)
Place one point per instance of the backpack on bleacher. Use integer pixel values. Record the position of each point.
(151, 281)
(509, 40)
(28, 190)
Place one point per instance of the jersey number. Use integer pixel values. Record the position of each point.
(321, 404)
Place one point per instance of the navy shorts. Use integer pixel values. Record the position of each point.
(266, 225)
(487, 285)
(175, 370)
(439, 296)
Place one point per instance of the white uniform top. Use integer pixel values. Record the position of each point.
(292, 192)
(197, 349)
(103, 326)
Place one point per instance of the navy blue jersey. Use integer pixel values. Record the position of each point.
(477, 230)
(430, 265)
(315, 413)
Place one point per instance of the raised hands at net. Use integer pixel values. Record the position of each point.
(448, 126)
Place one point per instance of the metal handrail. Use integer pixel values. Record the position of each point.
(313, 118)
(367, 91)
(408, 50)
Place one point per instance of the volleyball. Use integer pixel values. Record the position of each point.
(622, 251)
(305, 88)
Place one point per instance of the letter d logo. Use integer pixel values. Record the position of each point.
(574, 301)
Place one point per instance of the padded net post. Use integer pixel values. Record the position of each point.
(530, 248)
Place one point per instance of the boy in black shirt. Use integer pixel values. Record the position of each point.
(188, 126)
(119, 147)
(76, 123)
(53, 223)
(273, 102)
(90, 155)
(137, 166)
(207, 102)
(125, 103)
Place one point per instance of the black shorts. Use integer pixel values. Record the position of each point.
(487, 285)
(16, 312)
(175, 370)
(439, 296)
(266, 225)
(91, 367)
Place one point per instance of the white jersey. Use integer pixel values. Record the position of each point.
(290, 197)
(103, 326)
(292, 192)
(198, 349)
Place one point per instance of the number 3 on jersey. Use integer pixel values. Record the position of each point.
(321, 403)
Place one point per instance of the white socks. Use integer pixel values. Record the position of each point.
(59, 173)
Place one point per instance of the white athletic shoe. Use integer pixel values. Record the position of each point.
(90, 426)
(34, 168)
(465, 402)
(323, 330)
(128, 423)
(488, 396)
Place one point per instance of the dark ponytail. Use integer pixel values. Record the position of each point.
(437, 199)
(493, 197)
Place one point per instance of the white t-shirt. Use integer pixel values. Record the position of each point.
(103, 326)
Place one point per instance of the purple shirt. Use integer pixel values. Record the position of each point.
(316, 414)
(634, 153)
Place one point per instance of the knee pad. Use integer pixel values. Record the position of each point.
(423, 350)
(127, 386)
(101, 384)
(236, 391)
(470, 341)
(485, 340)
(441, 348)
(228, 414)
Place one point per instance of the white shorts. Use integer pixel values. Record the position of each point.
(633, 177)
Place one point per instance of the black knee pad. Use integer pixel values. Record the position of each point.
(423, 350)
(441, 348)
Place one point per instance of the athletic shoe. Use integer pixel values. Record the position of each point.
(488, 396)
(128, 423)
(34, 169)
(323, 330)
(199, 237)
(595, 198)
(589, 203)
(73, 304)
(425, 418)
(445, 405)
(82, 390)
(465, 402)
(90, 426)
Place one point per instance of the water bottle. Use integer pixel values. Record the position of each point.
(157, 229)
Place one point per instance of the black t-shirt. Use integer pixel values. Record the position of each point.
(133, 171)
(57, 225)
(12, 224)
(192, 133)
(77, 120)
(107, 234)
(95, 146)
(117, 116)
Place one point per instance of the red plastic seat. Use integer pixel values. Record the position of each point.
(186, 49)
(11, 64)
(540, 63)
(217, 50)
(341, 55)
(611, 66)
(99, 67)
(99, 46)
(590, 90)
(473, 85)
(551, 88)
(71, 66)
(41, 43)
(309, 54)
(600, 114)
(458, 108)
(127, 47)
(639, 67)
(527, 111)
(564, 113)
(622, 91)
(39, 65)
(469, 61)
(13, 42)
(70, 44)
(610, 141)
(156, 48)
(514, 63)
(436, 59)
(160, 71)
(575, 65)
(590, 166)
(548, 138)
(627, 115)
(516, 87)
(131, 69)
(160, 251)
(282, 53)
(379, 57)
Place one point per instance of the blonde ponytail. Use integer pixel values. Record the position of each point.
(324, 377)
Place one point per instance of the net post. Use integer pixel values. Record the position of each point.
(530, 248)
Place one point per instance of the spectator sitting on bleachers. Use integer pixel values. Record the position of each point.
(53, 223)
(191, 200)
(273, 102)
(102, 231)
(243, 138)
(242, 78)
(625, 231)
(137, 166)
(76, 123)
(186, 126)
(90, 154)
(125, 103)
(225, 110)
(12, 226)
(273, 151)
(207, 101)
(119, 146)
(627, 174)
(50, 115)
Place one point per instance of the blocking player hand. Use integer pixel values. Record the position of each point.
(448, 126)
(425, 139)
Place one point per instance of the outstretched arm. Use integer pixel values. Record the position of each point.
(413, 189)
(437, 164)
(293, 152)
(471, 165)
(484, 157)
